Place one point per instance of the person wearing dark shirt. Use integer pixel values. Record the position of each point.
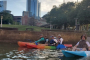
(52, 42)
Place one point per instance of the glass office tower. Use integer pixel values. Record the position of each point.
(39, 10)
(3, 5)
(33, 7)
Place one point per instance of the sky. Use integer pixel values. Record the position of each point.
(18, 6)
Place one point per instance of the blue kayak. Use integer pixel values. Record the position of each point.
(75, 53)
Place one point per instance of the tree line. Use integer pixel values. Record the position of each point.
(66, 13)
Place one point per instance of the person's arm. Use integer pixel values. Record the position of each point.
(42, 39)
(74, 48)
(76, 44)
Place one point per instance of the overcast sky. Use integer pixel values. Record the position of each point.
(18, 6)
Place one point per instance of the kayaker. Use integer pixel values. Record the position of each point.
(82, 45)
(52, 42)
(60, 39)
(46, 40)
(41, 40)
(55, 39)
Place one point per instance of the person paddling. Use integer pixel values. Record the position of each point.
(52, 42)
(41, 40)
(55, 39)
(60, 39)
(82, 45)
(46, 40)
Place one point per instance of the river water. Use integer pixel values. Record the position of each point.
(14, 52)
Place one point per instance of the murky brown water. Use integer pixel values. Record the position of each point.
(14, 52)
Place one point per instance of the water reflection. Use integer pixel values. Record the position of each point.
(41, 54)
(15, 53)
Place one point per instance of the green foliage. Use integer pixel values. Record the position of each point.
(84, 12)
(7, 18)
(66, 13)
(59, 15)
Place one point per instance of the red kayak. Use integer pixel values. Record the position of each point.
(68, 45)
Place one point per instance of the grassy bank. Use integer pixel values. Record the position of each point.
(23, 27)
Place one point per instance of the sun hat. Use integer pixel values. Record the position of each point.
(59, 35)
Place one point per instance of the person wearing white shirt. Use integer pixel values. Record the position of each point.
(55, 40)
(60, 39)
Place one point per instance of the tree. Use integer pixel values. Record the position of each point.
(66, 13)
(84, 12)
(7, 18)
(58, 15)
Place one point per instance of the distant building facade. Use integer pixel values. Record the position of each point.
(3, 5)
(39, 10)
(25, 18)
(33, 7)
(17, 19)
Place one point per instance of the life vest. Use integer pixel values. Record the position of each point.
(52, 41)
(82, 44)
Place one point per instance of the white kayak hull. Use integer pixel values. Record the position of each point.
(76, 53)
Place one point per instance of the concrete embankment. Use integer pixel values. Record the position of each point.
(12, 36)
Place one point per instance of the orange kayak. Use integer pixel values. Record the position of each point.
(39, 46)
(23, 44)
(34, 46)
(31, 45)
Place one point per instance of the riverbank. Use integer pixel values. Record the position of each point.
(12, 36)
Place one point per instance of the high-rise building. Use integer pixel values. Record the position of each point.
(39, 10)
(33, 7)
(3, 5)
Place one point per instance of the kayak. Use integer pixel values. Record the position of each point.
(33, 46)
(24, 44)
(76, 53)
(39, 46)
(68, 45)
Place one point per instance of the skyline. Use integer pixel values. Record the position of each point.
(18, 6)
(3, 5)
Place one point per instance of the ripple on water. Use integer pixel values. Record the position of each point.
(34, 54)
